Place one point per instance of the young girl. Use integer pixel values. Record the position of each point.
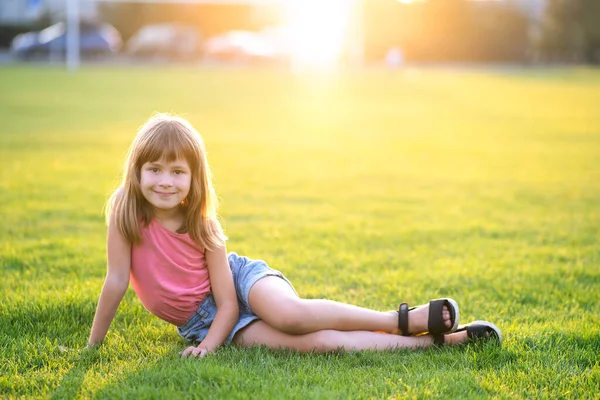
(164, 237)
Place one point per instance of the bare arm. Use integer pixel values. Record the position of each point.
(223, 290)
(115, 284)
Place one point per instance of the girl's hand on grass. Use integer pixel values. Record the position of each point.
(88, 347)
(193, 351)
(91, 346)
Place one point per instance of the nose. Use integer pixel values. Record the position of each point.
(165, 182)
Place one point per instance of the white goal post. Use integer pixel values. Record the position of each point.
(73, 57)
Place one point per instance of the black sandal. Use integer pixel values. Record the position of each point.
(476, 330)
(435, 322)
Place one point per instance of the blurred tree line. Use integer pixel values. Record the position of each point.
(209, 19)
(433, 30)
(570, 31)
(447, 30)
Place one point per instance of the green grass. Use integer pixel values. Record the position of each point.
(370, 188)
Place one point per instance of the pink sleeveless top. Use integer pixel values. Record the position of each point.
(169, 273)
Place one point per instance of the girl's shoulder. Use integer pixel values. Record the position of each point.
(119, 191)
(112, 203)
(115, 197)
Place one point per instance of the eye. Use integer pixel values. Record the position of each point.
(178, 172)
(154, 170)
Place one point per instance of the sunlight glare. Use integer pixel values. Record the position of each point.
(316, 31)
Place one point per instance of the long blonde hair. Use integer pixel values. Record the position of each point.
(167, 137)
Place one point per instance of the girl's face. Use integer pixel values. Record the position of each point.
(165, 184)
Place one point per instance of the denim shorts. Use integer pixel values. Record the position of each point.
(246, 272)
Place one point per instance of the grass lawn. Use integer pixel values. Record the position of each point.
(370, 188)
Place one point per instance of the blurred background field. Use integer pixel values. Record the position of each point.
(301, 32)
(371, 187)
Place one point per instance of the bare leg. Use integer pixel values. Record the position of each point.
(260, 333)
(274, 301)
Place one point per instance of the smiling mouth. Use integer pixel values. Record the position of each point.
(163, 194)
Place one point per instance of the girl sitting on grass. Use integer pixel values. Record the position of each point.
(164, 237)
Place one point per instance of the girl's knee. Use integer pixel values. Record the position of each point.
(321, 341)
(291, 317)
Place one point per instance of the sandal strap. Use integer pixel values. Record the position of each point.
(479, 331)
(439, 339)
(403, 319)
(483, 329)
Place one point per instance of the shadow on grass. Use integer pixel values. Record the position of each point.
(71, 383)
(263, 373)
(36, 333)
(259, 372)
(236, 373)
(58, 319)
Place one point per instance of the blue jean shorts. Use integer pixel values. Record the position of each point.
(246, 272)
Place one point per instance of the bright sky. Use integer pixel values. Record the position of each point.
(317, 30)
